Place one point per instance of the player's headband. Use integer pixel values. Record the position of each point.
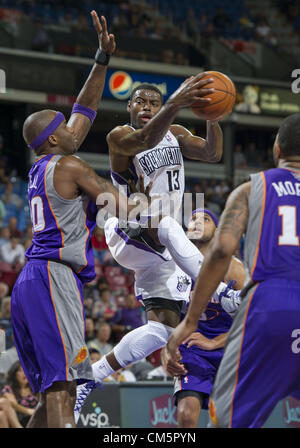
(52, 126)
(208, 212)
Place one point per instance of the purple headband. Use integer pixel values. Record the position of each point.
(52, 126)
(208, 212)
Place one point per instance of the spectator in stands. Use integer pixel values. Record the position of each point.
(94, 355)
(3, 176)
(212, 205)
(120, 22)
(127, 318)
(82, 23)
(156, 32)
(222, 188)
(253, 157)
(41, 40)
(68, 21)
(99, 243)
(160, 372)
(125, 375)
(221, 22)
(19, 394)
(9, 197)
(167, 56)
(90, 333)
(105, 307)
(5, 309)
(88, 306)
(2, 211)
(13, 252)
(180, 59)
(262, 29)
(13, 227)
(101, 343)
(4, 236)
(239, 159)
(4, 289)
(191, 25)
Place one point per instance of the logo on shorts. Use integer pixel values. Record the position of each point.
(81, 355)
(212, 412)
(120, 84)
(186, 380)
(183, 283)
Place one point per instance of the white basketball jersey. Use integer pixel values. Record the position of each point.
(163, 164)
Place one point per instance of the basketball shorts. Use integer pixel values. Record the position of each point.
(201, 366)
(156, 274)
(48, 323)
(261, 362)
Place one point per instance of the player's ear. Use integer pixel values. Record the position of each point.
(128, 106)
(52, 139)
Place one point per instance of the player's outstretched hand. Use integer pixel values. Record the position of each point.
(106, 41)
(191, 90)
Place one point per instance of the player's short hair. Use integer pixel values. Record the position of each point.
(289, 135)
(146, 86)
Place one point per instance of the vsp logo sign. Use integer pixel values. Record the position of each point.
(96, 419)
(296, 83)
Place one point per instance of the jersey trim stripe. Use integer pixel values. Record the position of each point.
(86, 240)
(45, 186)
(82, 308)
(239, 358)
(261, 224)
(62, 339)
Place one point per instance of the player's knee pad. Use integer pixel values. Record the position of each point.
(141, 342)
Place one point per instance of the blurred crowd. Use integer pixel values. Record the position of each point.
(160, 20)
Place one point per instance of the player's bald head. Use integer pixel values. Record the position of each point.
(36, 123)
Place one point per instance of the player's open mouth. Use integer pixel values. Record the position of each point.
(146, 118)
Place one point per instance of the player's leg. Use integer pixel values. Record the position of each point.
(9, 415)
(60, 401)
(188, 409)
(250, 379)
(135, 345)
(185, 254)
(142, 341)
(39, 418)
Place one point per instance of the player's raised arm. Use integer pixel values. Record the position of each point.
(152, 119)
(232, 225)
(87, 102)
(193, 147)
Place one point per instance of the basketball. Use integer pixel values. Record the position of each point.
(222, 99)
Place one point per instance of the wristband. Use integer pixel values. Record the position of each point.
(101, 57)
(84, 110)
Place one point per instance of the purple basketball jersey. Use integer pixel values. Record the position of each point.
(61, 228)
(272, 244)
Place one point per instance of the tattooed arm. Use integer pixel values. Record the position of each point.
(233, 224)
